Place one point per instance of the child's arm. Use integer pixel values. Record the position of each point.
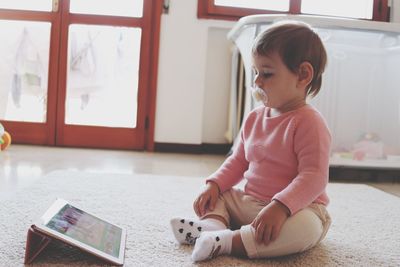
(231, 171)
(229, 174)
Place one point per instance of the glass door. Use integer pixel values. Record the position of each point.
(28, 57)
(104, 73)
(97, 54)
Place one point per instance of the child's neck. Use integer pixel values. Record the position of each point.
(293, 105)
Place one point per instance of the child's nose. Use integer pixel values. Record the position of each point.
(258, 81)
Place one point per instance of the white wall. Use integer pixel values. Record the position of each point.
(217, 86)
(194, 75)
(395, 11)
(186, 107)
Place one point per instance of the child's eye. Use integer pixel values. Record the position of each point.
(263, 74)
(267, 74)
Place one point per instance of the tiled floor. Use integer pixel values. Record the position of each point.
(22, 165)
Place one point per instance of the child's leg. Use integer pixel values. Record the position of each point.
(238, 248)
(300, 232)
(186, 231)
(242, 210)
(211, 244)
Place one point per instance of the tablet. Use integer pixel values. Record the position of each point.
(86, 231)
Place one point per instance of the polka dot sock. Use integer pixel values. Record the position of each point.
(186, 231)
(211, 244)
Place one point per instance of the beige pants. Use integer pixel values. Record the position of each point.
(300, 232)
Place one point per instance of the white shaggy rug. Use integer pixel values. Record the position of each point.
(365, 229)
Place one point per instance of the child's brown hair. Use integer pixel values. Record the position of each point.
(295, 42)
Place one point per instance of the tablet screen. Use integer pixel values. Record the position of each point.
(87, 229)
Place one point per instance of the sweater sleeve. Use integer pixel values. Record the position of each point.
(231, 171)
(312, 142)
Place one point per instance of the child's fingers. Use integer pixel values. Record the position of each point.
(196, 210)
(196, 207)
(274, 233)
(267, 235)
(212, 203)
(202, 205)
(199, 206)
(259, 232)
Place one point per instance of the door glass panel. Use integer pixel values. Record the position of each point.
(24, 60)
(341, 8)
(36, 5)
(127, 8)
(103, 73)
(282, 5)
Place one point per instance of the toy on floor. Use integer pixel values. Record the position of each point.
(369, 146)
(5, 138)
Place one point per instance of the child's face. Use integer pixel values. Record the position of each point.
(277, 81)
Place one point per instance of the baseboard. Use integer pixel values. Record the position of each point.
(354, 174)
(205, 148)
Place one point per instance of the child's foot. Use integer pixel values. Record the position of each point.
(211, 244)
(187, 231)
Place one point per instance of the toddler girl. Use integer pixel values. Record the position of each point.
(283, 155)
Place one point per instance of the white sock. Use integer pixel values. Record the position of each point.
(186, 231)
(211, 244)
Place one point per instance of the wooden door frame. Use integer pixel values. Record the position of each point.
(206, 9)
(45, 133)
(32, 132)
(87, 136)
(153, 68)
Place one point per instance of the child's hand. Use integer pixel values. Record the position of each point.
(269, 221)
(207, 199)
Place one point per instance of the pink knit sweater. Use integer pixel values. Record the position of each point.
(284, 158)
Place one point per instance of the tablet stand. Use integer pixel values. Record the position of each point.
(35, 243)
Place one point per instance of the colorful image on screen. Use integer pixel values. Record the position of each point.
(87, 229)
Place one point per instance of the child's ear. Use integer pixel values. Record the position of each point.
(305, 74)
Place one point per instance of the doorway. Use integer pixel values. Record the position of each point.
(79, 73)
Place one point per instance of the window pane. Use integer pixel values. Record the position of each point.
(24, 60)
(103, 74)
(126, 8)
(281, 5)
(342, 8)
(37, 5)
